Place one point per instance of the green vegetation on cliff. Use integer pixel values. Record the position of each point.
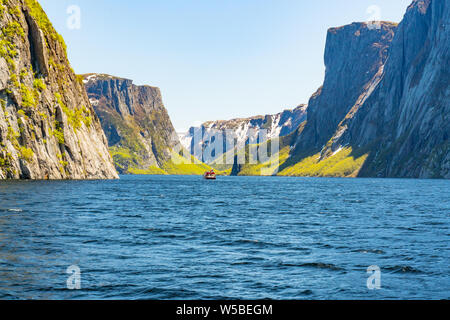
(140, 135)
(128, 162)
(43, 22)
(267, 168)
(180, 165)
(344, 163)
(48, 129)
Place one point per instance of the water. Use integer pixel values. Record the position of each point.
(153, 237)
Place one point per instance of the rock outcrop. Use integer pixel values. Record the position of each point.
(354, 58)
(383, 110)
(48, 129)
(384, 114)
(141, 137)
(241, 132)
(405, 122)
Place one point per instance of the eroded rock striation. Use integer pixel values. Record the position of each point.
(383, 110)
(405, 122)
(354, 58)
(48, 129)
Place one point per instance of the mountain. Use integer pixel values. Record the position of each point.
(354, 58)
(200, 140)
(48, 128)
(141, 137)
(393, 119)
(405, 122)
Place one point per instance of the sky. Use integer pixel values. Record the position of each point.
(212, 59)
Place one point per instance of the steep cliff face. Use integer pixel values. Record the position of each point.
(141, 136)
(48, 129)
(354, 57)
(241, 132)
(398, 126)
(405, 122)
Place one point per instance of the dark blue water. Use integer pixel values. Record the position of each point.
(152, 237)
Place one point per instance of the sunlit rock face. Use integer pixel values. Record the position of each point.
(135, 121)
(239, 132)
(48, 128)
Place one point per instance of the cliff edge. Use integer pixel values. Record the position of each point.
(48, 129)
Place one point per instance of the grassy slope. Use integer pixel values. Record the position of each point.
(129, 153)
(180, 165)
(345, 163)
(268, 168)
(177, 165)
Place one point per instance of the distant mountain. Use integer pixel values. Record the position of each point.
(141, 136)
(198, 139)
(48, 129)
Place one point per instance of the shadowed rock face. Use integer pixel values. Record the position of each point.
(135, 121)
(48, 129)
(393, 105)
(406, 118)
(354, 54)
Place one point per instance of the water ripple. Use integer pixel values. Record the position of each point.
(151, 237)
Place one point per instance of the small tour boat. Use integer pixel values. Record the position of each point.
(210, 175)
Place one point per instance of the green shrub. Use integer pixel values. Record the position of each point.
(77, 116)
(23, 74)
(28, 97)
(87, 117)
(38, 84)
(58, 133)
(80, 79)
(44, 23)
(26, 154)
(12, 134)
(14, 81)
(7, 46)
(12, 29)
(14, 11)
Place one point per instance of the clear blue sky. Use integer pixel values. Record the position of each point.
(212, 59)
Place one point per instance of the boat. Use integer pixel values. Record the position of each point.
(210, 175)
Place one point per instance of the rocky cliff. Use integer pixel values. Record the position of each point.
(48, 129)
(241, 132)
(354, 58)
(141, 137)
(384, 108)
(405, 122)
